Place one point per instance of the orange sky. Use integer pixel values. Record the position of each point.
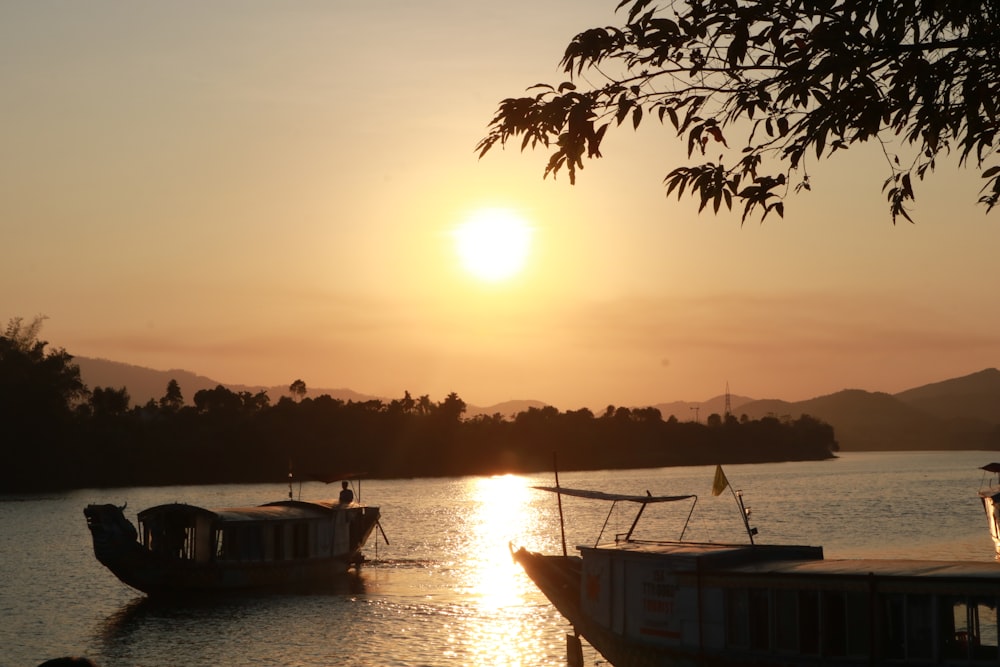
(260, 192)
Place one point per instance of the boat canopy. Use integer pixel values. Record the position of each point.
(601, 495)
(282, 510)
(615, 498)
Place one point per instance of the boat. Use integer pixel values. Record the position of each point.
(990, 497)
(646, 603)
(181, 549)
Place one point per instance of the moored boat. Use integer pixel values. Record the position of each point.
(182, 549)
(642, 603)
(990, 497)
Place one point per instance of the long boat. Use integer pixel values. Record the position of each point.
(990, 497)
(646, 603)
(182, 549)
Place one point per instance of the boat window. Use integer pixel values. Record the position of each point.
(796, 621)
(893, 637)
(279, 541)
(907, 627)
(846, 628)
(759, 619)
(986, 616)
(169, 536)
(222, 540)
(919, 627)
(969, 632)
(737, 618)
(300, 540)
(748, 618)
(244, 543)
(254, 543)
(858, 624)
(809, 622)
(834, 623)
(786, 616)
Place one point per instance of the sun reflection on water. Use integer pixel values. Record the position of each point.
(500, 508)
(507, 628)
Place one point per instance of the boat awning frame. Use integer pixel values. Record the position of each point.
(615, 498)
(601, 495)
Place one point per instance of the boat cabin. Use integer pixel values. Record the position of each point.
(285, 530)
(751, 602)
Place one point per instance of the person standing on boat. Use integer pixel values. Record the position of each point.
(346, 495)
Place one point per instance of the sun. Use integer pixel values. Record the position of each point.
(493, 244)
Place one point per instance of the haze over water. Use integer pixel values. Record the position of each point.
(444, 592)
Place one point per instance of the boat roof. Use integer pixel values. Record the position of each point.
(794, 560)
(280, 510)
(923, 569)
(601, 495)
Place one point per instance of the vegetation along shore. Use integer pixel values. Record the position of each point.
(60, 434)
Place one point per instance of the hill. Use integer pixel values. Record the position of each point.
(959, 413)
(146, 384)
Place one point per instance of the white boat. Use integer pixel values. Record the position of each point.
(642, 603)
(990, 496)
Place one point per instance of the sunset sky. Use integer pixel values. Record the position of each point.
(265, 191)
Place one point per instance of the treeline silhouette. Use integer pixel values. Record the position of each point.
(58, 434)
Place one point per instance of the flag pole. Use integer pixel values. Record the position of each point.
(562, 525)
(719, 485)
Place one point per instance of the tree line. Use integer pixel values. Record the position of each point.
(60, 434)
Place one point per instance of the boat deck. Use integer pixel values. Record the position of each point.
(800, 560)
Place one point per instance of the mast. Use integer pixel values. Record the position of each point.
(562, 525)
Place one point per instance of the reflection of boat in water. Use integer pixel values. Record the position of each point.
(991, 503)
(180, 549)
(645, 603)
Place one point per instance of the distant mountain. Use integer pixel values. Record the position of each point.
(960, 413)
(145, 384)
(865, 420)
(142, 383)
(507, 409)
(975, 396)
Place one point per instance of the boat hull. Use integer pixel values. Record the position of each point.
(991, 505)
(559, 579)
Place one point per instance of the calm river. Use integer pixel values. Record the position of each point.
(444, 591)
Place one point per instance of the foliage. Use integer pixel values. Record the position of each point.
(298, 389)
(40, 395)
(792, 78)
(108, 402)
(233, 437)
(58, 434)
(173, 399)
(36, 385)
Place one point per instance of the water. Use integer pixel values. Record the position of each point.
(444, 592)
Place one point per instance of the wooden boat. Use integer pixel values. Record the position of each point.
(643, 603)
(990, 497)
(182, 549)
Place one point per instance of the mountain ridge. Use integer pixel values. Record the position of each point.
(956, 413)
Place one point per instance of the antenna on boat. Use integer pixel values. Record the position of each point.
(746, 515)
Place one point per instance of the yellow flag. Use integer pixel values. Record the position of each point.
(720, 483)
